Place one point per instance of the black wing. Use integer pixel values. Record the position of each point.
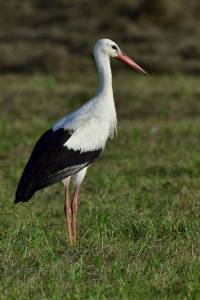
(51, 162)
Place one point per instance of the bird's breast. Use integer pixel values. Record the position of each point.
(89, 136)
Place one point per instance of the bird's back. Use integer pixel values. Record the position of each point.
(73, 143)
(51, 162)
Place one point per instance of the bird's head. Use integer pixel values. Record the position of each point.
(111, 49)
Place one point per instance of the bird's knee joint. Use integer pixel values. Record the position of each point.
(68, 211)
(74, 207)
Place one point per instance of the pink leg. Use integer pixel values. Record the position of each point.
(74, 210)
(68, 212)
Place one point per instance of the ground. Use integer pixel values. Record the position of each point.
(139, 207)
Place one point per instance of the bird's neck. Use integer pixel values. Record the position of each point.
(105, 74)
(104, 94)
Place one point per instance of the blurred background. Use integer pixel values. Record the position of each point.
(139, 213)
(58, 35)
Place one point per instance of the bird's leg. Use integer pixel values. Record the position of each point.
(68, 211)
(74, 209)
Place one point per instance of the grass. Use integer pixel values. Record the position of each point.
(139, 209)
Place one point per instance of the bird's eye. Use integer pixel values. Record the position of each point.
(114, 47)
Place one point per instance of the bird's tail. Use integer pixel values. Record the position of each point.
(24, 193)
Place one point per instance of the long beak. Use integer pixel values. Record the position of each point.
(128, 61)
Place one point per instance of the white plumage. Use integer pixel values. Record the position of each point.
(96, 120)
(76, 140)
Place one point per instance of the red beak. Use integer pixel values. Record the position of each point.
(128, 61)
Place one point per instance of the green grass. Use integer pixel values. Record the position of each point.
(139, 207)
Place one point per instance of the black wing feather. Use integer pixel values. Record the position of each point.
(51, 162)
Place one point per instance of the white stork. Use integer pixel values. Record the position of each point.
(75, 141)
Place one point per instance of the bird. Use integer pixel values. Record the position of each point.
(73, 143)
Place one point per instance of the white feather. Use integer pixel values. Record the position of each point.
(78, 178)
(96, 121)
(91, 124)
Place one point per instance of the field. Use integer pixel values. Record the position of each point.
(139, 207)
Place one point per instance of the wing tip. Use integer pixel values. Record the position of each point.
(23, 196)
(16, 201)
